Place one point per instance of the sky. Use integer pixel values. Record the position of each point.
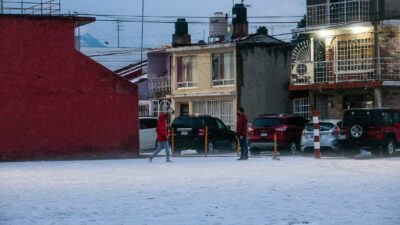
(159, 34)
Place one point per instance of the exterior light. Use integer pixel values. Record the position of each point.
(359, 30)
(325, 33)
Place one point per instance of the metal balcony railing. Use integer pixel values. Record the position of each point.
(339, 13)
(330, 72)
(159, 87)
(31, 7)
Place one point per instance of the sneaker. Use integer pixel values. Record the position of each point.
(150, 159)
(240, 158)
(168, 161)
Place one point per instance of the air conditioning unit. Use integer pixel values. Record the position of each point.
(302, 72)
(302, 67)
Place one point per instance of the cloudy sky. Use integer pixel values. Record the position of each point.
(158, 34)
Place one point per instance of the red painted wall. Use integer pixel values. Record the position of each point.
(53, 99)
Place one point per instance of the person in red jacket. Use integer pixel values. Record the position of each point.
(241, 131)
(162, 140)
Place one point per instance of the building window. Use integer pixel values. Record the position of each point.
(186, 72)
(222, 109)
(301, 106)
(144, 110)
(355, 55)
(222, 69)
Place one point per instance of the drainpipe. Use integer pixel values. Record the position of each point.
(377, 40)
(1, 6)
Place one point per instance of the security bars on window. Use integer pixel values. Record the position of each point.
(338, 12)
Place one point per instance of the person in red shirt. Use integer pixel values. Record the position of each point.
(241, 131)
(162, 140)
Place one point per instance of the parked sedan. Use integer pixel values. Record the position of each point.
(329, 133)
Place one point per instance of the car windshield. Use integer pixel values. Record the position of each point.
(266, 122)
(323, 126)
(188, 122)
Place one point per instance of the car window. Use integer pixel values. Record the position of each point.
(387, 118)
(148, 123)
(211, 123)
(186, 122)
(396, 117)
(367, 118)
(323, 126)
(266, 122)
(221, 125)
(141, 125)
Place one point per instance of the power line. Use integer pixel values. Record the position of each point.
(172, 17)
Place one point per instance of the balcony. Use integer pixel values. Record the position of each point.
(31, 7)
(342, 71)
(159, 87)
(339, 13)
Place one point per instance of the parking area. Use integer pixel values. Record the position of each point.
(199, 190)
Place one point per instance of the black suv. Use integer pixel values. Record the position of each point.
(190, 131)
(375, 128)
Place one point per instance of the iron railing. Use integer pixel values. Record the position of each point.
(339, 13)
(31, 7)
(159, 87)
(345, 71)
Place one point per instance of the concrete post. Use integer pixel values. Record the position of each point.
(377, 41)
(378, 97)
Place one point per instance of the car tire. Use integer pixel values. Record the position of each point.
(390, 148)
(255, 151)
(233, 146)
(293, 148)
(177, 152)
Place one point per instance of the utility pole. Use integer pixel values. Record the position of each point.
(141, 41)
(119, 29)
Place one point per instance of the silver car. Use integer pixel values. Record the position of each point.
(329, 133)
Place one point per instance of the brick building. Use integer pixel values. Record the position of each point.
(351, 59)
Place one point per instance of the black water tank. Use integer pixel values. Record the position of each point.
(181, 27)
(239, 13)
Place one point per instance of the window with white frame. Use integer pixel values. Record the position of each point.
(355, 55)
(186, 71)
(301, 106)
(222, 109)
(222, 68)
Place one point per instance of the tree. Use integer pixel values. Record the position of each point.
(299, 37)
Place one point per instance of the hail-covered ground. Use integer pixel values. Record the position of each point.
(203, 191)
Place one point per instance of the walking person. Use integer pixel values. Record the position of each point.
(241, 131)
(162, 140)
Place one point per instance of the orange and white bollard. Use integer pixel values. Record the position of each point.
(317, 143)
(275, 147)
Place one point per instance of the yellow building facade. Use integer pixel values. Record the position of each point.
(203, 81)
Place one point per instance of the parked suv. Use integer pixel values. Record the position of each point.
(190, 131)
(288, 128)
(375, 128)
